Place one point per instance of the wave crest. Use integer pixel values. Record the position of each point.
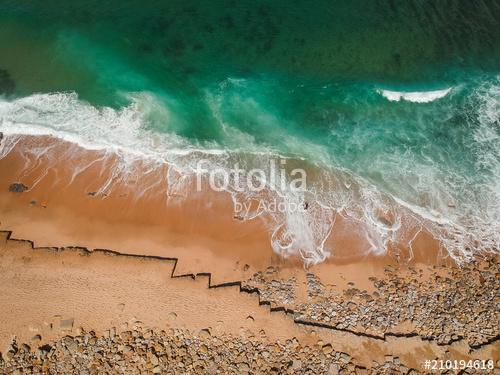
(415, 96)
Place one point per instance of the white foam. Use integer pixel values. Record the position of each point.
(415, 96)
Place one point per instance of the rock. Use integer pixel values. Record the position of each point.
(205, 333)
(243, 367)
(12, 347)
(296, 364)
(126, 335)
(10, 354)
(345, 357)
(45, 348)
(327, 349)
(36, 338)
(181, 351)
(153, 359)
(17, 187)
(172, 316)
(334, 369)
(70, 343)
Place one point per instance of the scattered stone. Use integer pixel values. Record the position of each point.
(36, 338)
(172, 316)
(281, 292)
(205, 333)
(243, 367)
(70, 343)
(179, 351)
(327, 349)
(453, 304)
(334, 369)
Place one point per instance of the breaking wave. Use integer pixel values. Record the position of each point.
(416, 96)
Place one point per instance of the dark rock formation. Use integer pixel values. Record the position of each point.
(17, 187)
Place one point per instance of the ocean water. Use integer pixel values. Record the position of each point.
(393, 107)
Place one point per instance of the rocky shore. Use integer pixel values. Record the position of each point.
(443, 304)
(181, 352)
(277, 321)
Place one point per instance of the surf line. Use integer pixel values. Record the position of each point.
(415, 96)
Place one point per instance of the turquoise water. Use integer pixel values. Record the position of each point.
(267, 78)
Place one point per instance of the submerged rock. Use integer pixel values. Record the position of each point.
(17, 187)
(7, 84)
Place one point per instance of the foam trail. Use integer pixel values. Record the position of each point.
(414, 97)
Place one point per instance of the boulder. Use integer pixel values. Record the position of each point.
(17, 187)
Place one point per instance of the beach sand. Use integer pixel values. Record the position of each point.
(356, 304)
(66, 204)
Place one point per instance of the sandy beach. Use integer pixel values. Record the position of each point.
(84, 274)
(249, 187)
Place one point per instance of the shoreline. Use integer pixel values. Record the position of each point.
(82, 185)
(367, 307)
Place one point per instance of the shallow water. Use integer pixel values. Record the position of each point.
(392, 107)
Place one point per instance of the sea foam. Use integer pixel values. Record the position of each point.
(415, 96)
